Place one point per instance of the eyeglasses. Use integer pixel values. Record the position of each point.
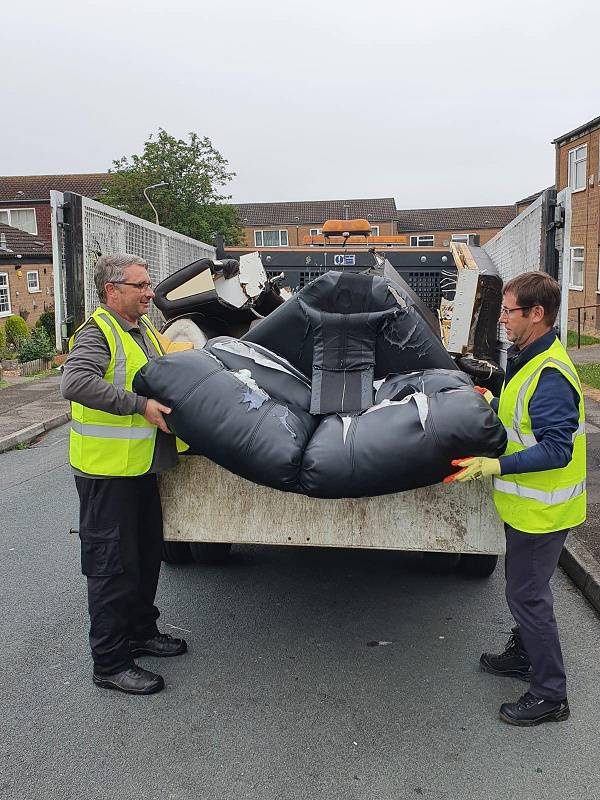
(141, 286)
(506, 312)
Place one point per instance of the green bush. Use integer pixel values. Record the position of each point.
(2, 341)
(38, 345)
(16, 331)
(46, 321)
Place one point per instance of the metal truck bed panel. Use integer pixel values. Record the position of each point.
(203, 502)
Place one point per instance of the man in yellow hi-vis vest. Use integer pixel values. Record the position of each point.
(539, 491)
(119, 441)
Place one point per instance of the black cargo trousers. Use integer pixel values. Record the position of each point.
(120, 527)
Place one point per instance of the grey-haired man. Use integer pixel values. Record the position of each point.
(119, 441)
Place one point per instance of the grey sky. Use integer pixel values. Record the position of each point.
(433, 103)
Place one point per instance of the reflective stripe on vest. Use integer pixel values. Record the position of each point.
(111, 431)
(549, 498)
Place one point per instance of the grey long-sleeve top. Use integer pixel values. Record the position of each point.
(83, 382)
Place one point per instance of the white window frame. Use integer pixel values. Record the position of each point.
(577, 287)
(461, 237)
(8, 210)
(415, 241)
(5, 285)
(572, 162)
(315, 231)
(259, 234)
(374, 230)
(36, 288)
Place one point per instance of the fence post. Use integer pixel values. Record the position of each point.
(578, 327)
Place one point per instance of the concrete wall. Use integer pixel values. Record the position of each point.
(517, 248)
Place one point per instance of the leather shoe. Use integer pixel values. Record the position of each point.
(531, 710)
(512, 663)
(161, 645)
(133, 680)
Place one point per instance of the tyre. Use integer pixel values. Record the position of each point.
(176, 552)
(210, 552)
(440, 563)
(476, 565)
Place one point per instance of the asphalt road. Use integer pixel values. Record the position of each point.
(282, 694)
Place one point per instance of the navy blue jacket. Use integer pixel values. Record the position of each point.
(554, 413)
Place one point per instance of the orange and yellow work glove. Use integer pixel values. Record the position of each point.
(485, 393)
(474, 468)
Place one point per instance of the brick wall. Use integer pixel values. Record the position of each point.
(443, 238)
(42, 216)
(30, 304)
(585, 220)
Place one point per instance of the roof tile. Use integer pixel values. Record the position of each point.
(465, 218)
(22, 243)
(375, 209)
(38, 187)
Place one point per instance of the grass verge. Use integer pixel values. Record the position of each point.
(572, 339)
(589, 374)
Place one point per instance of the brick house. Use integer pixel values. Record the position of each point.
(287, 224)
(26, 283)
(25, 199)
(437, 227)
(577, 165)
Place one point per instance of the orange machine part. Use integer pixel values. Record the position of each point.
(337, 227)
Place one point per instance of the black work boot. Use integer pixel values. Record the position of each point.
(161, 645)
(133, 680)
(531, 710)
(512, 663)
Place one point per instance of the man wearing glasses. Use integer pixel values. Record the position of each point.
(119, 441)
(539, 491)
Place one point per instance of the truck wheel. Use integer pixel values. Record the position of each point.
(476, 565)
(440, 563)
(176, 552)
(210, 552)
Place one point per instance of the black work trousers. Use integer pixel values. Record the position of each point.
(120, 527)
(531, 559)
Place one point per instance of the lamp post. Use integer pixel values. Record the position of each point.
(154, 186)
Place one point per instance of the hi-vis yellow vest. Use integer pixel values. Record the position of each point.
(111, 444)
(540, 502)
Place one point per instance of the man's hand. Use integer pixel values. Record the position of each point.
(485, 393)
(154, 414)
(474, 469)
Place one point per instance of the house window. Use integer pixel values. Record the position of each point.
(315, 231)
(422, 241)
(577, 268)
(375, 230)
(271, 238)
(4, 295)
(33, 280)
(22, 218)
(578, 168)
(461, 237)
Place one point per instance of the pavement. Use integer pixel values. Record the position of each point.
(312, 674)
(29, 408)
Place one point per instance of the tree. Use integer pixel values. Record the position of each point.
(191, 203)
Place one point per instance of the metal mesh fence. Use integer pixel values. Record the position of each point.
(108, 230)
